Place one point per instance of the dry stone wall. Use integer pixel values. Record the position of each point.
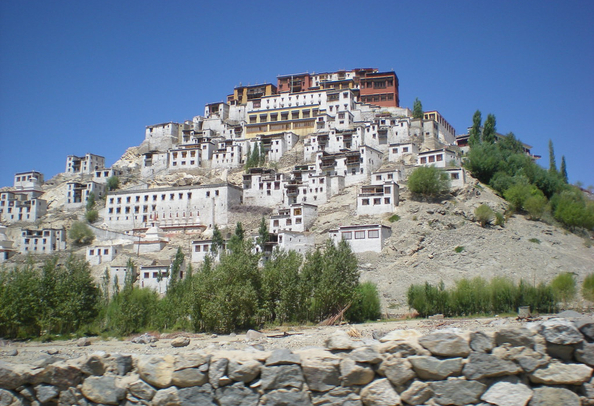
(545, 363)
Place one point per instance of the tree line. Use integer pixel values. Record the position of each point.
(232, 289)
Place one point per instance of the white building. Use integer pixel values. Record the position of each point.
(200, 249)
(377, 199)
(381, 177)
(87, 164)
(102, 175)
(264, 187)
(398, 151)
(227, 155)
(45, 241)
(99, 254)
(295, 241)
(77, 193)
(362, 238)
(276, 145)
(356, 166)
(155, 277)
(154, 162)
(16, 206)
(28, 181)
(186, 207)
(457, 177)
(298, 217)
(153, 240)
(6, 246)
(440, 158)
(161, 137)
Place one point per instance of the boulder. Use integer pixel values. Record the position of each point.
(562, 374)
(283, 356)
(321, 372)
(516, 337)
(93, 365)
(217, 371)
(527, 358)
(156, 370)
(141, 390)
(244, 371)
(508, 394)
(186, 377)
(237, 395)
(180, 341)
(562, 352)
(445, 344)
(103, 389)
(339, 341)
(554, 397)
(481, 342)
(11, 376)
(282, 376)
(197, 395)
(145, 338)
(167, 397)
(7, 398)
(431, 368)
(403, 348)
(192, 360)
(45, 393)
(365, 354)
(61, 375)
(398, 370)
(354, 373)
(457, 391)
(120, 364)
(585, 353)
(83, 342)
(380, 393)
(253, 335)
(417, 393)
(400, 335)
(586, 327)
(560, 331)
(339, 396)
(480, 365)
(285, 397)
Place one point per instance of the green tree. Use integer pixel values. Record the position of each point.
(588, 287)
(564, 287)
(489, 130)
(552, 163)
(263, 234)
(417, 109)
(535, 205)
(90, 201)
(563, 170)
(218, 243)
(281, 287)
(366, 304)
(428, 182)
(91, 216)
(80, 233)
(484, 215)
(113, 183)
(474, 135)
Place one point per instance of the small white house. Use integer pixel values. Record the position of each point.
(99, 254)
(295, 241)
(377, 199)
(155, 277)
(441, 158)
(298, 217)
(362, 238)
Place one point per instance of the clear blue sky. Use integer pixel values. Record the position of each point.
(88, 76)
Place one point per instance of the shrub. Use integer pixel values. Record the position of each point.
(459, 249)
(564, 287)
(366, 305)
(535, 206)
(428, 182)
(131, 311)
(92, 216)
(113, 183)
(393, 218)
(588, 287)
(499, 219)
(484, 215)
(534, 240)
(90, 201)
(80, 233)
(571, 209)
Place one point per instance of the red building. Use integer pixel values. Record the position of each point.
(380, 89)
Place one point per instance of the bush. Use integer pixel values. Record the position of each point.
(484, 215)
(80, 233)
(499, 219)
(571, 208)
(131, 311)
(564, 287)
(366, 305)
(113, 183)
(393, 218)
(428, 182)
(535, 206)
(92, 216)
(459, 249)
(588, 287)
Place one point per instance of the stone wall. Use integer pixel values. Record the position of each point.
(549, 363)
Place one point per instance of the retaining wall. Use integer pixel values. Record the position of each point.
(549, 363)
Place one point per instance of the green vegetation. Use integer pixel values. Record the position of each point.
(564, 287)
(499, 219)
(428, 182)
(255, 157)
(530, 189)
(588, 287)
(484, 215)
(91, 216)
(393, 218)
(113, 183)
(417, 109)
(80, 233)
(459, 249)
(477, 296)
(534, 240)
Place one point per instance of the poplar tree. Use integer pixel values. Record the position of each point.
(552, 163)
(563, 169)
(474, 135)
(417, 109)
(489, 130)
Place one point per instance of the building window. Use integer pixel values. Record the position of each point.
(373, 233)
(439, 157)
(359, 235)
(365, 202)
(423, 160)
(377, 201)
(197, 248)
(404, 149)
(347, 235)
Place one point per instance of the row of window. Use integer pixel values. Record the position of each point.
(145, 198)
(360, 235)
(376, 201)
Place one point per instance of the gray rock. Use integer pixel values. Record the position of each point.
(121, 364)
(141, 390)
(527, 358)
(71, 396)
(339, 341)
(7, 398)
(61, 375)
(145, 338)
(244, 371)
(380, 393)
(586, 327)
(166, 397)
(431, 368)
(283, 357)
(281, 376)
(397, 370)
(11, 377)
(321, 375)
(366, 354)
(516, 337)
(93, 366)
(197, 395)
(103, 389)
(180, 341)
(508, 394)
(217, 370)
(403, 348)
(286, 397)
(45, 360)
(156, 370)
(562, 352)
(400, 335)
(253, 335)
(585, 353)
(445, 344)
(339, 396)
(83, 342)
(192, 360)
(189, 377)
(569, 314)
(417, 393)
(237, 395)
(457, 391)
(481, 342)
(562, 374)
(12, 353)
(554, 397)
(588, 389)
(353, 373)
(560, 331)
(45, 393)
(481, 365)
